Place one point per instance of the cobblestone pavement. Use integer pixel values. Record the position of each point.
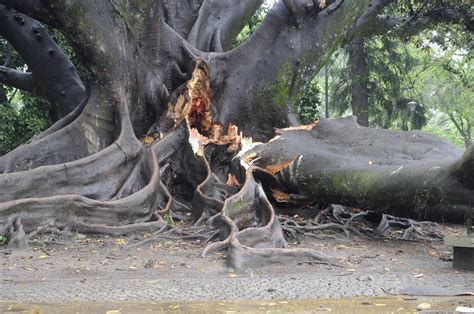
(106, 269)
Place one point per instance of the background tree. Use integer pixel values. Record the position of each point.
(379, 69)
(448, 90)
(388, 84)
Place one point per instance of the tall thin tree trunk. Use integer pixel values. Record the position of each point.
(326, 90)
(359, 76)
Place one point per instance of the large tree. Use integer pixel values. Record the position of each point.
(154, 129)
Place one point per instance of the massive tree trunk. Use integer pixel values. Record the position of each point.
(407, 174)
(156, 133)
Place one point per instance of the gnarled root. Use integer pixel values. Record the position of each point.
(210, 195)
(118, 216)
(251, 232)
(365, 224)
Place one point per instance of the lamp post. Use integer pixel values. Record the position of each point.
(412, 105)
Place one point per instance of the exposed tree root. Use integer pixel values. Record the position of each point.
(170, 233)
(210, 195)
(122, 193)
(408, 229)
(364, 224)
(251, 232)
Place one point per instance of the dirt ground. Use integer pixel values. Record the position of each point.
(102, 269)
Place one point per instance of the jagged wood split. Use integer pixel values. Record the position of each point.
(159, 73)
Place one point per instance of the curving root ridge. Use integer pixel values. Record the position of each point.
(251, 232)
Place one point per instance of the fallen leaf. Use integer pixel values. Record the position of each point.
(121, 242)
(148, 140)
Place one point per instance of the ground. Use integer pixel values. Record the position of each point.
(101, 269)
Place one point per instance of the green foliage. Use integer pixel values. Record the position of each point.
(309, 104)
(3, 240)
(21, 119)
(251, 26)
(168, 219)
(441, 126)
(390, 84)
(448, 90)
(8, 123)
(23, 115)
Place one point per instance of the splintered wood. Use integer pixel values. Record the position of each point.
(194, 106)
(280, 166)
(308, 127)
(199, 92)
(197, 141)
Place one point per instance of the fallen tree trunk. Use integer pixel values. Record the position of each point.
(406, 174)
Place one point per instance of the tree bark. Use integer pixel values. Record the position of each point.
(359, 81)
(157, 133)
(407, 174)
(219, 22)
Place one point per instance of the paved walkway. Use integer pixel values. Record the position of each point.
(105, 269)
